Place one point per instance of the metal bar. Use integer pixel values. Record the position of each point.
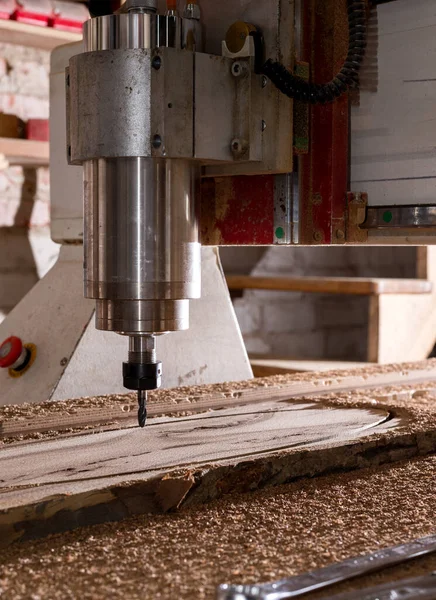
(400, 217)
(327, 576)
(422, 588)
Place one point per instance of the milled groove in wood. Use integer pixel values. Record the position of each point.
(125, 414)
(353, 286)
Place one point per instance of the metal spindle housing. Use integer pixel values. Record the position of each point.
(142, 255)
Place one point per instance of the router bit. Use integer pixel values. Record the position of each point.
(142, 410)
(142, 372)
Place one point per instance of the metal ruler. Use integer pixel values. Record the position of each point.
(419, 588)
(327, 576)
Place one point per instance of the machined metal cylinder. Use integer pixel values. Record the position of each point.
(142, 254)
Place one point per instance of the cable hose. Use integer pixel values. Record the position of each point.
(348, 77)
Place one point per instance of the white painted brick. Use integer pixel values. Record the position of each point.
(340, 311)
(350, 344)
(249, 316)
(290, 316)
(256, 345)
(307, 345)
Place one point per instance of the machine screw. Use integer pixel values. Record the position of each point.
(239, 69)
(317, 236)
(238, 147)
(157, 142)
(264, 81)
(156, 63)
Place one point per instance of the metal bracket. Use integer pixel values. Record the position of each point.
(357, 203)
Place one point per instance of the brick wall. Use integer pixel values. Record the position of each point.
(314, 326)
(26, 251)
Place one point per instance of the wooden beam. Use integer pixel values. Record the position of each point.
(330, 285)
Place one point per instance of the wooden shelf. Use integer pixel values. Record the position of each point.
(24, 152)
(358, 286)
(45, 38)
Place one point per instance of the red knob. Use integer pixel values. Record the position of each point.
(10, 352)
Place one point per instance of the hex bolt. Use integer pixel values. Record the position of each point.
(157, 142)
(156, 63)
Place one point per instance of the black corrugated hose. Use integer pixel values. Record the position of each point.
(348, 76)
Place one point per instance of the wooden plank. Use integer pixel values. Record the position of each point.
(55, 485)
(266, 367)
(73, 416)
(45, 38)
(24, 152)
(403, 327)
(330, 285)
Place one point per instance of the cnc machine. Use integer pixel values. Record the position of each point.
(236, 122)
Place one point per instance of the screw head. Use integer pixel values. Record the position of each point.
(263, 125)
(156, 63)
(340, 234)
(317, 236)
(238, 147)
(239, 69)
(264, 81)
(157, 142)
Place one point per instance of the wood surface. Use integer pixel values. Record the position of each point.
(330, 285)
(45, 38)
(252, 439)
(403, 327)
(24, 152)
(56, 485)
(268, 366)
(116, 414)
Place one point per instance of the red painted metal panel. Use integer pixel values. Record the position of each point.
(324, 172)
(238, 211)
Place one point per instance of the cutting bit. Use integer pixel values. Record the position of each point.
(142, 410)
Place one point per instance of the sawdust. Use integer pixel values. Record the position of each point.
(249, 538)
(195, 393)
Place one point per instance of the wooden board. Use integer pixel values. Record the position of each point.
(57, 484)
(252, 439)
(24, 152)
(330, 285)
(74, 414)
(45, 38)
(266, 367)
